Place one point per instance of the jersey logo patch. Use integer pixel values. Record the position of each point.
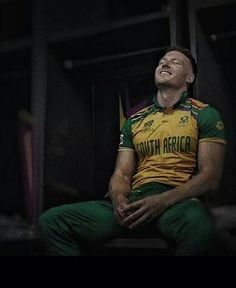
(184, 121)
(220, 125)
(147, 126)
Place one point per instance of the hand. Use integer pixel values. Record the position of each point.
(120, 204)
(143, 211)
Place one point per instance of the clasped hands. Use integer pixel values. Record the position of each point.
(139, 213)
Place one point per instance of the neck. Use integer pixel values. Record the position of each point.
(169, 97)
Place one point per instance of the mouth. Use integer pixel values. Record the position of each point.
(165, 72)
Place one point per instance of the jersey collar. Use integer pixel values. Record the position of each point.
(182, 100)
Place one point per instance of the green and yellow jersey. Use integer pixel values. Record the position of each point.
(166, 140)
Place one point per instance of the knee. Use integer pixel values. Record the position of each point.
(49, 220)
(199, 230)
(203, 231)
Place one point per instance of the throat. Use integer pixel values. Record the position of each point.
(167, 100)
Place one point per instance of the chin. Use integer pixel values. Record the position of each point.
(163, 82)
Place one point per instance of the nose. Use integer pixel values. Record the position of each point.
(166, 63)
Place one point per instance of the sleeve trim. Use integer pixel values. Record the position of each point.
(125, 149)
(213, 139)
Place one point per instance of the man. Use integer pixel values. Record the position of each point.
(170, 155)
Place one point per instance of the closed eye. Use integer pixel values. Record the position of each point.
(176, 62)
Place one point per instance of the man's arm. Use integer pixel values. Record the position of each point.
(210, 162)
(120, 182)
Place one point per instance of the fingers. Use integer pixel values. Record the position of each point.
(120, 213)
(141, 222)
(122, 210)
(133, 206)
(137, 219)
(133, 217)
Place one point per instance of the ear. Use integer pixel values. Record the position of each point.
(190, 78)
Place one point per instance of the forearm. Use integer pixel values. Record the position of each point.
(119, 186)
(211, 164)
(199, 185)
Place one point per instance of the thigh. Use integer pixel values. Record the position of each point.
(187, 216)
(90, 221)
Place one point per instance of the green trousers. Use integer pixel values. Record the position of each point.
(68, 229)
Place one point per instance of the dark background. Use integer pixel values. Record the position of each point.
(68, 62)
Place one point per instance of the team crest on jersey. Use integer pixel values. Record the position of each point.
(147, 126)
(220, 125)
(184, 121)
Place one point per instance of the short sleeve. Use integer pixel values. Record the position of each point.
(126, 139)
(211, 126)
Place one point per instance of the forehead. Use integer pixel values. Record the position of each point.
(177, 55)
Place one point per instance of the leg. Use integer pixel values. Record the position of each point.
(190, 226)
(64, 229)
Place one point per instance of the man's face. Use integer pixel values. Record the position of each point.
(174, 70)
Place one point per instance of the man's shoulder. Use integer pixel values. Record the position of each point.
(141, 113)
(197, 104)
(205, 113)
